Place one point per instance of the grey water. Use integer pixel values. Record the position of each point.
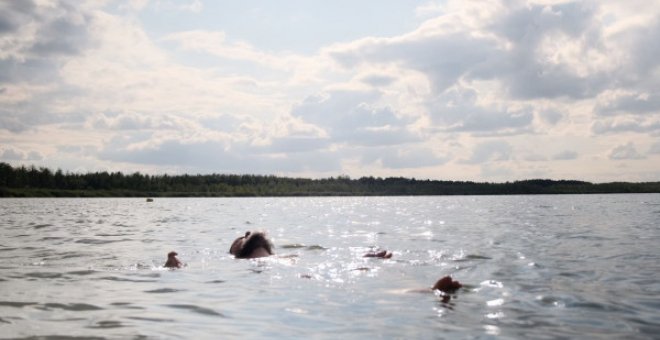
(568, 266)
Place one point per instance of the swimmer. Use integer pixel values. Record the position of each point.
(383, 254)
(252, 245)
(172, 261)
(447, 285)
(442, 288)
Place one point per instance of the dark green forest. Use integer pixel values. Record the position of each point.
(43, 182)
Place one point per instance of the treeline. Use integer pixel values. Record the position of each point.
(42, 182)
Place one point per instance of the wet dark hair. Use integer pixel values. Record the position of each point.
(172, 261)
(245, 247)
(447, 285)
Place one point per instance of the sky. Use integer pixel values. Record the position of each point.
(492, 90)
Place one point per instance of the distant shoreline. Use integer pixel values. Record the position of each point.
(42, 182)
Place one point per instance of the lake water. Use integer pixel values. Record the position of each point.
(565, 266)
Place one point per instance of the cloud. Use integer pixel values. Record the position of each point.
(216, 43)
(619, 125)
(140, 121)
(210, 156)
(295, 144)
(351, 117)
(402, 157)
(493, 151)
(36, 38)
(535, 158)
(506, 46)
(378, 80)
(41, 31)
(194, 6)
(551, 117)
(625, 152)
(632, 103)
(11, 154)
(565, 155)
(457, 110)
(442, 58)
(654, 149)
(485, 79)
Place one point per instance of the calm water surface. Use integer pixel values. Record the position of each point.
(533, 267)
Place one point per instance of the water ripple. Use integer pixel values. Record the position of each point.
(196, 309)
(162, 291)
(123, 279)
(100, 241)
(76, 307)
(17, 304)
(107, 324)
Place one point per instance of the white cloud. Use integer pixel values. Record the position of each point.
(565, 155)
(655, 148)
(354, 117)
(11, 154)
(492, 151)
(624, 152)
(457, 109)
(217, 157)
(402, 158)
(513, 87)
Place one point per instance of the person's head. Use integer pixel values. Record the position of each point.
(252, 245)
(447, 285)
(172, 261)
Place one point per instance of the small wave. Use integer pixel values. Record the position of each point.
(71, 255)
(142, 318)
(17, 304)
(316, 247)
(126, 305)
(122, 279)
(492, 284)
(162, 291)
(107, 324)
(41, 226)
(51, 238)
(76, 307)
(82, 272)
(197, 309)
(293, 246)
(361, 269)
(477, 257)
(97, 241)
(550, 301)
(44, 275)
(216, 281)
(470, 257)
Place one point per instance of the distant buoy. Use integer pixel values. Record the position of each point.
(150, 199)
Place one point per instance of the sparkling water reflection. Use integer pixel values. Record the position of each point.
(532, 266)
